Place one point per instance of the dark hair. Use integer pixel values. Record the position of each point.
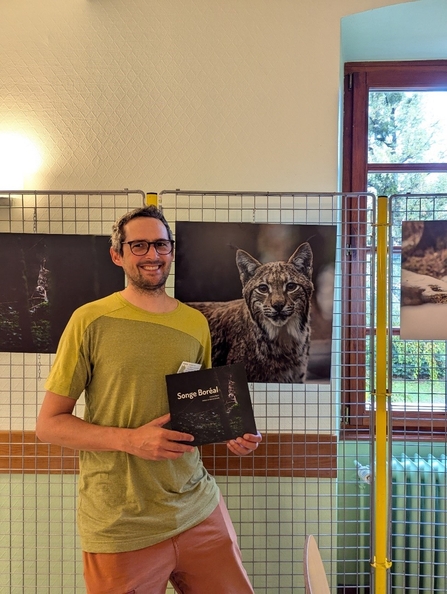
(118, 236)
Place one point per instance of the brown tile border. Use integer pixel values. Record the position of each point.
(279, 454)
(21, 452)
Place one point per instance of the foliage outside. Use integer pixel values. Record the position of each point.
(418, 359)
(404, 129)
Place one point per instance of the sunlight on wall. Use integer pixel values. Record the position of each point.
(19, 158)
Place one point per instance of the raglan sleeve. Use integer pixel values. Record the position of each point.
(197, 325)
(206, 363)
(71, 371)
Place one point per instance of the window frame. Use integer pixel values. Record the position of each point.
(359, 79)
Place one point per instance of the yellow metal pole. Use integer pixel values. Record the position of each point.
(151, 198)
(381, 563)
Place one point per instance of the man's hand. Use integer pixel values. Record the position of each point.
(241, 446)
(153, 442)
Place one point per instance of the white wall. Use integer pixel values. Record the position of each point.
(410, 31)
(158, 94)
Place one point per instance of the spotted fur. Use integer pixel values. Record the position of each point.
(269, 328)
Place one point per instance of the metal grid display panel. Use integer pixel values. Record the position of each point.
(357, 383)
(272, 514)
(418, 386)
(294, 487)
(39, 550)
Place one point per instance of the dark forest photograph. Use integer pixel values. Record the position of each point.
(44, 279)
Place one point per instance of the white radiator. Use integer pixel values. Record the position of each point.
(418, 529)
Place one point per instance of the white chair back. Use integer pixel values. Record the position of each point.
(314, 573)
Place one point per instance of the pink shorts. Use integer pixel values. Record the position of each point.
(201, 560)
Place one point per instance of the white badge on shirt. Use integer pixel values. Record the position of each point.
(187, 366)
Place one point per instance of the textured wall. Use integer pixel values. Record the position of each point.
(162, 94)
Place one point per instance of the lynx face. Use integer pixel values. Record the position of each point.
(269, 329)
(278, 292)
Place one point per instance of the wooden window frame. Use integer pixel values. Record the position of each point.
(359, 79)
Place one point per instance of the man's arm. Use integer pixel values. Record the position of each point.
(57, 424)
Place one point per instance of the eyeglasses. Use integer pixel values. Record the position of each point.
(163, 247)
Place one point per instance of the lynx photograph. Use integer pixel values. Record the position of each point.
(423, 280)
(267, 292)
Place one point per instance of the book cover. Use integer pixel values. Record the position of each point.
(213, 404)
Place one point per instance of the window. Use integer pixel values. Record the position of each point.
(395, 142)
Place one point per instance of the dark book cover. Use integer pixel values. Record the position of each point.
(213, 404)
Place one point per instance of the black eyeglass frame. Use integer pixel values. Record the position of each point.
(149, 243)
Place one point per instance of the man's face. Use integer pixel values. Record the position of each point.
(148, 272)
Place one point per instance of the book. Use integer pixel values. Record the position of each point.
(213, 404)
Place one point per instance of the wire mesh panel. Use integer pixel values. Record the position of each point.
(417, 368)
(302, 479)
(357, 345)
(39, 551)
(296, 482)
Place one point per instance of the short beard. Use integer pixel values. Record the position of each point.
(143, 286)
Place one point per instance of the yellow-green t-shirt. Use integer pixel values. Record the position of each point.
(119, 354)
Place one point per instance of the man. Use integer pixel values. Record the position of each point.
(148, 510)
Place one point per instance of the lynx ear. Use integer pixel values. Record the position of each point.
(246, 264)
(302, 259)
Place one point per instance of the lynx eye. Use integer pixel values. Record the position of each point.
(263, 289)
(291, 286)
